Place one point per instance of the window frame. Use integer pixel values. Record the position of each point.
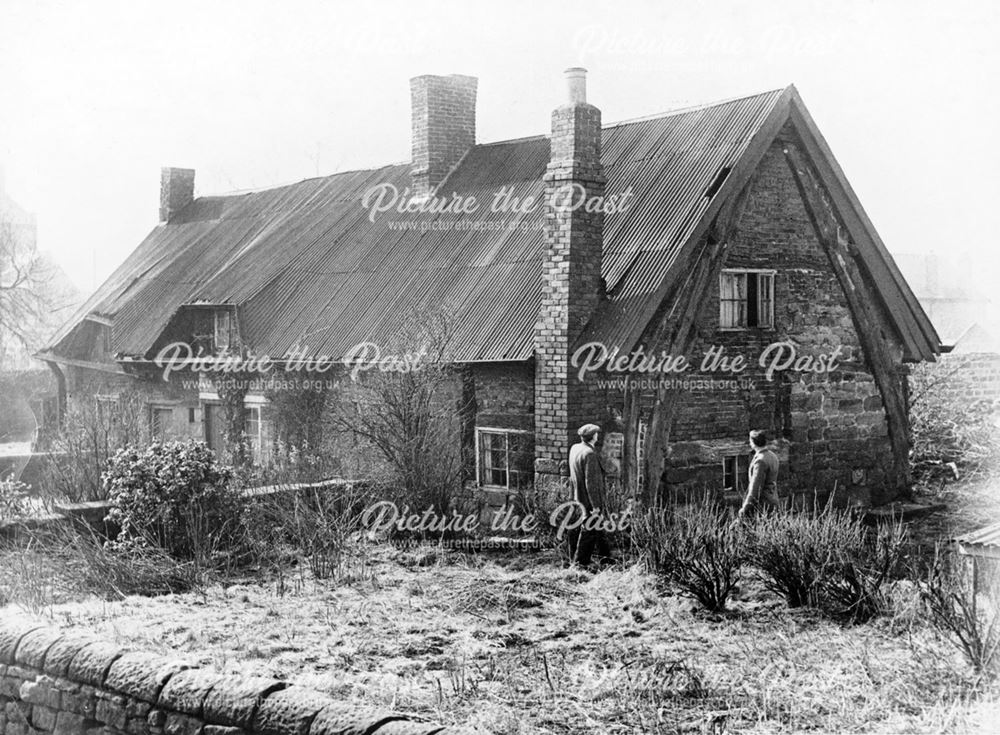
(740, 474)
(768, 275)
(480, 430)
(154, 409)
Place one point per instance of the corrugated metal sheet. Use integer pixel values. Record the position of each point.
(307, 267)
(984, 537)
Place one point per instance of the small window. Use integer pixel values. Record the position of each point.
(504, 458)
(735, 470)
(223, 330)
(213, 331)
(192, 417)
(108, 409)
(746, 299)
(160, 419)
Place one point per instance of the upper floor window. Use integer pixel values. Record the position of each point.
(746, 299)
(214, 331)
(503, 458)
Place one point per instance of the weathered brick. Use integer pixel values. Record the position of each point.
(186, 691)
(234, 699)
(91, 664)
(342, 719)
(141, 675)
(33, 646)
(289, 711)
(62, 652)
(68, 723)
(11, 633)
(43, 718)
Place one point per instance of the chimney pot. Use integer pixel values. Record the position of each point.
(576, 82)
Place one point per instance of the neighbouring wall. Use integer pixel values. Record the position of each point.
(59, 682)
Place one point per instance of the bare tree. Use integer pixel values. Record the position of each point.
(30, 302)
(412, 418)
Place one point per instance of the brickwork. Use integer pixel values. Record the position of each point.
(176, 191)
(444, 126)
(73, 684)
(963, 379)
(571, 279)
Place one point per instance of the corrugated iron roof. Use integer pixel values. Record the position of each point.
(307, 267)
(985, 537)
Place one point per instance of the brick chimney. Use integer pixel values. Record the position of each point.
(571, 276)
(176, 191)
(444, 126)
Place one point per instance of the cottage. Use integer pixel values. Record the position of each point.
(678, 279)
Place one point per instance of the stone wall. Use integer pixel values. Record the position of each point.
(830, 427)
(67, 683)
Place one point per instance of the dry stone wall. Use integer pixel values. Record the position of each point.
(64, 683)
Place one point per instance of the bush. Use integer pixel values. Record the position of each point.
(696, 548)
(830, 559)
(13, 498)
(316, 523)
(174, 496)
(949, 436)
(954, 604)
(855, 585)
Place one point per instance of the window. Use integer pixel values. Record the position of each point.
(746, 299)
(213, 331)
(255, 429)
(107, 409)
(223, 330)
(735, 469)
(252, 427)
(160, 419)
(503, 458)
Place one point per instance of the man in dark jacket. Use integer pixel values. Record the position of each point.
(587, 479)
(762, 491)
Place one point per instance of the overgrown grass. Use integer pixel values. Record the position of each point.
(518, 649)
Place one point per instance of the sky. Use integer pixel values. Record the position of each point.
(98, 95)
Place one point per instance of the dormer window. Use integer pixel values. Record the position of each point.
(214, 330)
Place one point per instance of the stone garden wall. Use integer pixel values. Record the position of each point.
(59, 682)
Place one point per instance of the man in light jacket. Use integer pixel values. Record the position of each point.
(762, 491)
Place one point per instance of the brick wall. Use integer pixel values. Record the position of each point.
(961, 378)
(444, 126)
(68, 683)
(571, 280)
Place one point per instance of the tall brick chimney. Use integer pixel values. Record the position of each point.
(444, 126)
(571, 276)
(176, 191)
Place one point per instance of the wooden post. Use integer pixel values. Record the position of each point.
(862, 303)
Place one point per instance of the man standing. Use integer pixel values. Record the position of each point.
(587, 478)
(762, 492)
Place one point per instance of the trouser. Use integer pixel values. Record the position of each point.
(583, 545)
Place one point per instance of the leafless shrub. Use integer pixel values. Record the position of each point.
(970, 615)
(92, 431)
(695, 547)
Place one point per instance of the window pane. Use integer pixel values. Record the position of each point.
(766, 299)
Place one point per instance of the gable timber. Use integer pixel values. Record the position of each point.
(862, 301)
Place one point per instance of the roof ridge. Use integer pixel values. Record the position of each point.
(692, 108)
(506, 141)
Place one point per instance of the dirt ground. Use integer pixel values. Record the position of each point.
(514, 643)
